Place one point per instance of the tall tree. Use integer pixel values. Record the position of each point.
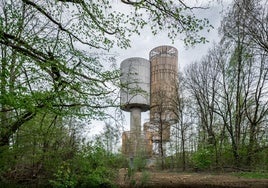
(182, 118)
(202, 84)
(244, 45)
(229, 86)
(160, 123)
(52, 73)
(255, 21)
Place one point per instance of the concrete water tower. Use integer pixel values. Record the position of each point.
(164, 73)
(134, 98)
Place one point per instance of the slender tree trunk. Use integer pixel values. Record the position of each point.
(183, 142)
(183, 152)
(4, 139)
(235, 154)
(161, 144)
(251, 144)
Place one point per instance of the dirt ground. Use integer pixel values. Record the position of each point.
(190, 180)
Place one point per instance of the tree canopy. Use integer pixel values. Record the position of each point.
(54, 53)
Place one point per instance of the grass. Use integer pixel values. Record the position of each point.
(252, 175)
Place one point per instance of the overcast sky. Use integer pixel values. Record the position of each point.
(142, 44)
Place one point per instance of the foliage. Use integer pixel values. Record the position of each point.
(139, 163)
(93, 167)
(226, 156)
(51, 153)
(63, 177)
(47, 79)
(227, 90)
(56, 69)
(36, 151)
(202, 159)
(44, 64)
(260, 161)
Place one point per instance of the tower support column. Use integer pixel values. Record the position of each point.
(135, 120)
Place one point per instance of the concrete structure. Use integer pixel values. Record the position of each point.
(134, 98)
(164, 73)
(149, 84)
(133, 143)
(135, 80)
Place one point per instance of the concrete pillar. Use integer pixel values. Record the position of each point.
(135, 130)
(135, 120)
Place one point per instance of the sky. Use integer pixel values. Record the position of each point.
(142, 44)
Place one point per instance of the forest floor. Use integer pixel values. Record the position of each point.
(188, 180)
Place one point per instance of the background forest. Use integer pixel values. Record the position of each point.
(223, 101)
(51, 88)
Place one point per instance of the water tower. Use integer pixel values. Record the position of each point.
(134, 98)
(163, 91)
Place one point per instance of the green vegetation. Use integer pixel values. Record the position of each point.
(138, 166)
(222, 106)
(57, 74)
(252, 175)
(47, 151)
(91, 167)
(202, 159)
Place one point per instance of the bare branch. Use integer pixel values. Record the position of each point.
(59, 24)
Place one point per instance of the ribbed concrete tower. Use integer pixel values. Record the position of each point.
(164, 73)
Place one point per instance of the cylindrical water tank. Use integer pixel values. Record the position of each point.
(135, 80)
(164, 71)
(164, 68)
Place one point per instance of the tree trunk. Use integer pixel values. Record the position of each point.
(251, 144)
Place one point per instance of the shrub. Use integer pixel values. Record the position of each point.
(63, 177)
(92, 166)
(202, 159)
(139, 163)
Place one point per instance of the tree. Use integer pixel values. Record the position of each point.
(202, 84)
(228, 88)
(182, 117)
(255, 21)
(36, 151)
(256, 105)
(254, 29)
(109, 138)
(245, 59)
(44, 39)
(229, 85)
(41, 80)
(161, 126)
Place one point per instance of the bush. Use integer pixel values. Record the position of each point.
(91, 167)
(202, 159)
(64, 177)
(139, 163)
